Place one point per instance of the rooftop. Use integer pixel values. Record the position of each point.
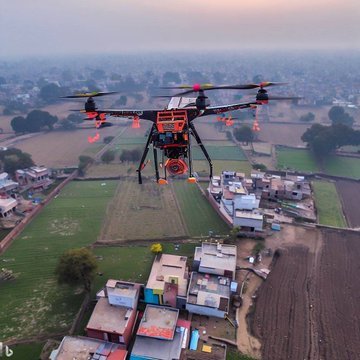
(83, 348)
(164, 268)
(216, 256)
(158, 322)
(122, 288)
(109, 318)
(209, 290)
(248, 215)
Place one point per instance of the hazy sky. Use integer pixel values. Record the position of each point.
(46, 27)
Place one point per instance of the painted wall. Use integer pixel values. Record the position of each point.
(150, 297)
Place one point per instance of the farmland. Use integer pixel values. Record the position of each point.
(146, 211)
(296, 159)
(302, 298)
(199, 216)
(282, 134)
(349, 192)
(328, 204)
(34, 304)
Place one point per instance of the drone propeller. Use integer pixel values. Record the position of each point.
(89, 94)
(285, 98)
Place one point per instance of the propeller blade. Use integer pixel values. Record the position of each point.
(285, 98)
(89, 94)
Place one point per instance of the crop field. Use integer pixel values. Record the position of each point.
(198, 214)
(311, 299)
(343, 166)
(349, 192)
(34, 304)
(219, 153)
(59, 149)
(296, 159)
(146, 211)
(207, 131)
(328, 204)
(282, 134)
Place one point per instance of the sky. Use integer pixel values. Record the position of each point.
(62, 27)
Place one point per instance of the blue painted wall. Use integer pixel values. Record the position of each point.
(150, 298)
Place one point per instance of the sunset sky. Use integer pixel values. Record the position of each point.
(88, 26)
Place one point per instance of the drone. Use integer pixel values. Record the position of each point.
(173, 130)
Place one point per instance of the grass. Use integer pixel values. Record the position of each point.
(296, 159)
(219, 153)
(302, 160)
(118, 262)
(27, 351)
(34, 304)
(328, 204)
(343, 166)
(198, 214)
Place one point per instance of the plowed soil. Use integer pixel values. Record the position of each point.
(309, 308)
(349, 192)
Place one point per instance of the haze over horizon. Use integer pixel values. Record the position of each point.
(42, 27)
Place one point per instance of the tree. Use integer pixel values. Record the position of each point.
(108, 139)
(307, 117)
(130, 155)
(18, 124)
(84, 162)
(337, 115)
(77, 266)
(156, 248)
(244, 134)
(51, 93)
(108, 156)
(14, 159)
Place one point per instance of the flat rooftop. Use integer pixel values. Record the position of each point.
(122, 288)
(164, 268)
(83, 348)
(158, 322)
(209, 290)
(248, 215)
(216, 256)
(109, 318)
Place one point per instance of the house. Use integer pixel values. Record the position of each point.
(167, 283)
(114, 315)
(7, 186)
(249, 220)
(209, 295)
(7, 207)
(83, 348)
(161, 335)
(213, 258)
(35, 177)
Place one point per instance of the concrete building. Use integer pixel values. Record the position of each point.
(35, 177)
(209, 295)
(7, 186)
(218, 259)
(82, 348)
(249, 220)
(7, 207)
(161, 335)
(167, 283)
(114, 315)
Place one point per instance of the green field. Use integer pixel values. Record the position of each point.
(27, 351)
(198, 214)
(302, 160)
(219, 153)
(295, 159)
(343, 166)
(328, 204)
(34, 304)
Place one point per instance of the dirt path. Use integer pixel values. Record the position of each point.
(247, 343)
